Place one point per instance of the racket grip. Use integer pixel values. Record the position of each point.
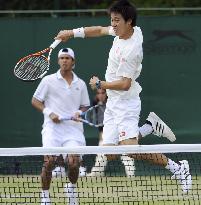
(65, 118)
(55, 44)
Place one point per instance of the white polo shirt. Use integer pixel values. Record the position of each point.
(63, 99)
(125, 58)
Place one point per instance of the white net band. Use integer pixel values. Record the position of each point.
(124, 149)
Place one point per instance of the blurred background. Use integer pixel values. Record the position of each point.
(171, 66)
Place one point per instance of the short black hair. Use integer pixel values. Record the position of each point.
(126, 9)
(65, 50)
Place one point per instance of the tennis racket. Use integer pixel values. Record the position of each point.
(93, 116)
(34, 66)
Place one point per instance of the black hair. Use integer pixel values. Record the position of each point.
(126, 9)
(65, 50)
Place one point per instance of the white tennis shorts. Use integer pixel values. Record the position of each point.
(61, 135)
(121, 119)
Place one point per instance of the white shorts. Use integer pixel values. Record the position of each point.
(72, 143)
(58, 135)
(121, 119)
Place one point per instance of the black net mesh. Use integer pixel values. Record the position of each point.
(123, 181)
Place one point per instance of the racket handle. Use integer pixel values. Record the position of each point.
(55, 44)
(65, 118)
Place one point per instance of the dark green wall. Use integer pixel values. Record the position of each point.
(170, 77)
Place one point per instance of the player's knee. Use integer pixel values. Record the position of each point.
(112, 157)
(49, 161)
(73, 163)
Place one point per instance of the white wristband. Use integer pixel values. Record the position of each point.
(47, 111)
(79, 32)
(111, 31)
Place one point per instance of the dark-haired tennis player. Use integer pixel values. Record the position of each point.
(123, 106)
(57, 95)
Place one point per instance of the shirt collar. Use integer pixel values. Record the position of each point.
(59, 76)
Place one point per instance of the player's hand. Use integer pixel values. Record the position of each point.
(64, 35)
(76, 117)
(54, 118)
(93, 81)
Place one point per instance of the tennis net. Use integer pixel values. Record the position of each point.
(121, 181)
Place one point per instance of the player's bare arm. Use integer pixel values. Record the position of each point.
(93, 31)
(40, 107)
(96, 31)
(122, 84)
(37, 104)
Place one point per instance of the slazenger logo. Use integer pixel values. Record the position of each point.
(122, 134)
(170, 42)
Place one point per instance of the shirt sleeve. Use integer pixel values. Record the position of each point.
(85, 102)
(41, 91)
(130, 63)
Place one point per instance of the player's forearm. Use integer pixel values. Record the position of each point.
(93, 31)
(123, 84)
(96, 31)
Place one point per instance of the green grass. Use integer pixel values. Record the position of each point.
(140, 190)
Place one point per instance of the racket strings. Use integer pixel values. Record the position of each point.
(100, 109)
(95, 115)
(32, 68)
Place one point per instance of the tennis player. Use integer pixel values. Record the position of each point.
(123, 106)
(60, 94)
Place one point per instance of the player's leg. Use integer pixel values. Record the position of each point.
(73, 173)
(46, 176)
(73, 164)
(100, 162)
(129, 164)
(154, 125)
(48, 140)
(179, 170)
(127, 120)
(129, 134)
(99, 167)
(82, 169)
(109, 137)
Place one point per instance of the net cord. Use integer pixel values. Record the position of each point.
(124, 149)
